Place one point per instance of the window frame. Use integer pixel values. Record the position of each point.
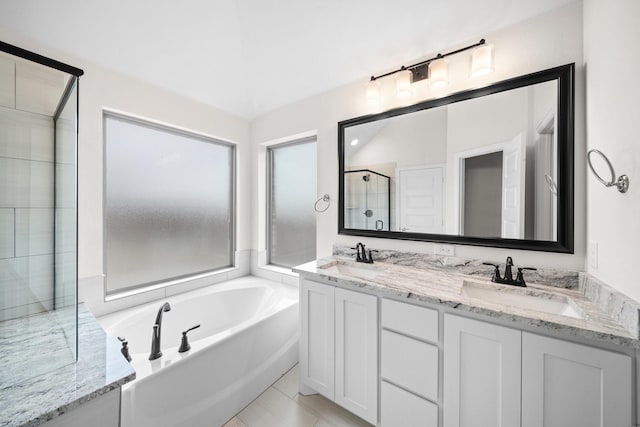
(179, 131)
(269, 189)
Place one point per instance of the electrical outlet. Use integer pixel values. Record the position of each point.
(446, 250)
(593, 254)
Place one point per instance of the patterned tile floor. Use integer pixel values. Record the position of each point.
(281, 406)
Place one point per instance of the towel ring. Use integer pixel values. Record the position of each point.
(324, 198)
(622, 183)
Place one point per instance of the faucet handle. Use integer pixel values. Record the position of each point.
(520, 276)
(370, 260)
(125, 349)
(184, 344)
(496, 272)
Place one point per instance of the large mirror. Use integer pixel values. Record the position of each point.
(490, 166)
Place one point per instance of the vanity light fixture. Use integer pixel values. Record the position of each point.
(482, 60)
(439, 73)
(403, 83)
(373, 92)
(434, 69)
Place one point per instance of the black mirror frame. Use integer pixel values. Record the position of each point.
(565, 76)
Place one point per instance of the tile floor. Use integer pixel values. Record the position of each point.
(281, 406)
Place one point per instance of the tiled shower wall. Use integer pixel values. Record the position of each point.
(26, 204)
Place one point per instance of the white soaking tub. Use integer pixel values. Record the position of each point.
(247, 339)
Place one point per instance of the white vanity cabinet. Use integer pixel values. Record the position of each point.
(339, 346)
(568, 384)
(409, 365)
(481, 374)
(494, 375)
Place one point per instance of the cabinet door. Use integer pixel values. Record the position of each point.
(356, 376)
(317, 337)
(566, 384)
(481, 374)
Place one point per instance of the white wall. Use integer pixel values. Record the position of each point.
(543, 42)
(611, 35)
(101, 88)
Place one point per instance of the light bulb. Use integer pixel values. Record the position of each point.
(482, 60)
(373, 92)
(439, 73)
(403, 83)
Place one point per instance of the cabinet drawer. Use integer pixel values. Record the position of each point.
(410, 363)
(409, 319)
(400, 408)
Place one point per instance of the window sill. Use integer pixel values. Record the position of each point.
(278, 269)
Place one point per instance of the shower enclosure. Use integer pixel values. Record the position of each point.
(38, 175)
(367, 200)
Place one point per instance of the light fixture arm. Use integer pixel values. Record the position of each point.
(425, 62)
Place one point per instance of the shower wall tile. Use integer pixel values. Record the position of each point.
(66, 132)
(7, 241)
(7, 82)
(65, 185)
(34, 231)
(25, 183)
(65, 279)
(38, 89)
(25, 310)
(25, 135)
(25, 281)
(65, 230)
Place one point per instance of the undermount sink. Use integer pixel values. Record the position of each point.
(523, 298)
(361, 270)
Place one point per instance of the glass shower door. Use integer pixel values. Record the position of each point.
(65, 248)
(367, 200)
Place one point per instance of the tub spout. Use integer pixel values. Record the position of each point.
(157, 333)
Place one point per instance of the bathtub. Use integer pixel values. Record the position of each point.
(247, 339)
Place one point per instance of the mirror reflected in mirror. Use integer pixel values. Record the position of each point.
(490, 166)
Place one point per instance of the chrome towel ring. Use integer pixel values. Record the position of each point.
(621, 183)
(324, 198)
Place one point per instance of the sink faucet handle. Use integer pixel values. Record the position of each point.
(184, 344)
(125, 349)
(370, 260)
(496, 271)
(520, 276)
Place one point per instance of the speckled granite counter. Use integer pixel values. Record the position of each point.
(420, 282)
(30, 398)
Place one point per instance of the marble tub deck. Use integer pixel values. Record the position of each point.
(443, 286)
(30, 397)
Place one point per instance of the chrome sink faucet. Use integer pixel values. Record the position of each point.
(157, 330)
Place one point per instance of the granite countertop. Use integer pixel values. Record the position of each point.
(445, 287)
(35, 388)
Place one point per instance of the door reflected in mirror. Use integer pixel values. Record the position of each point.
(489, 166)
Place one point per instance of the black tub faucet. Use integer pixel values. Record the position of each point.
(157, 330)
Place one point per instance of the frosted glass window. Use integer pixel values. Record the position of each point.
(169, 203)
(292, 194)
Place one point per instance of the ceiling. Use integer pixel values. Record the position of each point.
(248, 57)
